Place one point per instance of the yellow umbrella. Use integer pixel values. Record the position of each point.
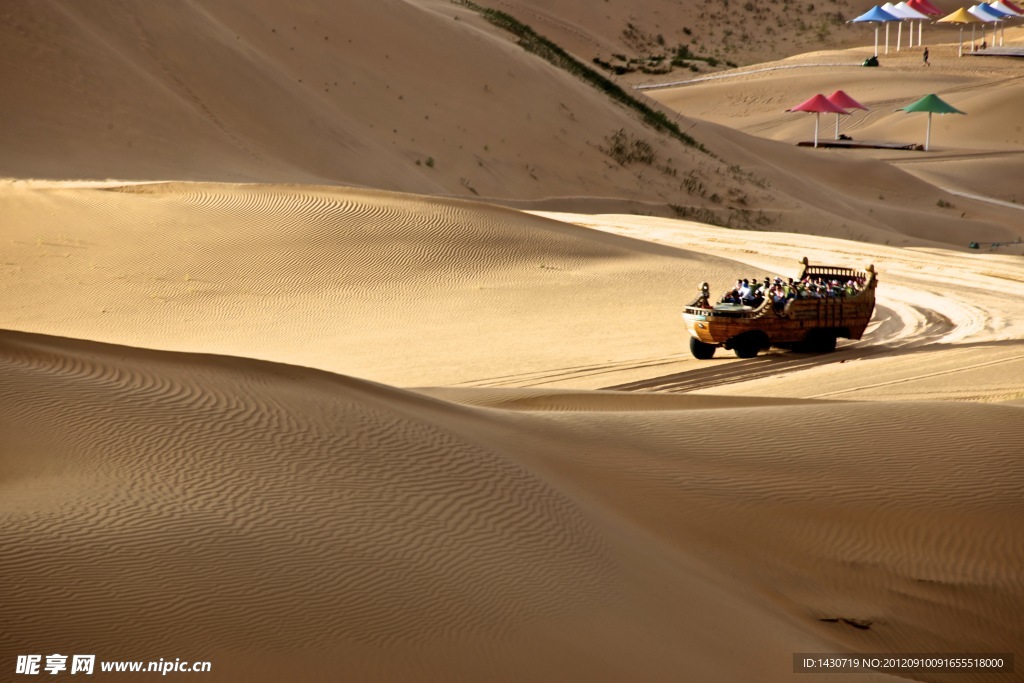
(961, 16)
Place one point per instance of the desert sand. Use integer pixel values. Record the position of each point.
(279, 395)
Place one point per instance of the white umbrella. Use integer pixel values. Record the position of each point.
(986, 17)
(910, 14)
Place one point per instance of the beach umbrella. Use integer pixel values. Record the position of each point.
(1002, 14)
(933, 105)
(891, 9)
(999, 14)
(1014, 7)
(844, 101)
(904, 13)
(986, 18)
(876, 15)
(819, 104)
(961, 17)
(1005, 7)
(924, 7)
(911, 14)
(1011, 13)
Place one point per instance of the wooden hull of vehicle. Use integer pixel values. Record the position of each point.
(844, 317)
(847, 317)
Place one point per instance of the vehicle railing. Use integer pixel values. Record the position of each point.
(702, 304)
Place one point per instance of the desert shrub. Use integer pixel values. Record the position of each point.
(626, 149)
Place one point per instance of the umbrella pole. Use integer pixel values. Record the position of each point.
(928, 133)
(899, 36)
(837, 126)
(817, 115)
(920, 28)
(961, 54)
(876, 40)
(887, 37)
(972, 38)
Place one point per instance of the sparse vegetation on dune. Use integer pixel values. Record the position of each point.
(537, 44)
(735, 218)
(626, 149)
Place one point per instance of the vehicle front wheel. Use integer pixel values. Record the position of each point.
(701, 350)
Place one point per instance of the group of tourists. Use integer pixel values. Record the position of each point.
(753, 292)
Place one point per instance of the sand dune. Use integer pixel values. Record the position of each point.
(244, 512)
(373, 284)
(424, 106)
(337, 344)
(318, 276)
(411, 96)
(266, 517)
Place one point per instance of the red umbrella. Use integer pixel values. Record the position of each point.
(844, 101)
(1013, 6)
(818, 104)
(925, 7)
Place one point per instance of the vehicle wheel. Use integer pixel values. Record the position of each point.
(819, 341)
(701, 350)
(746, 348)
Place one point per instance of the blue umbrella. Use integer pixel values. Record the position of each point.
(875, 15)
(997, 12)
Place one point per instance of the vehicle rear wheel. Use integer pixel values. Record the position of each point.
(748, 344)
(701, 350)
(819, 341)
(746, 350)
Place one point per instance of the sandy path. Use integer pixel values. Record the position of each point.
(952, 308)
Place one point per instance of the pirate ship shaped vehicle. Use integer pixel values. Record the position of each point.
(802, 324)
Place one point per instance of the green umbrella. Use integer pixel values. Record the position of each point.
(933, 105)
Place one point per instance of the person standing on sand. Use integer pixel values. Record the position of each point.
(926, 62)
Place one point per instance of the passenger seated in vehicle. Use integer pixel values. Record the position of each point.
(731, 297)
(743, 289)
(778, 295)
